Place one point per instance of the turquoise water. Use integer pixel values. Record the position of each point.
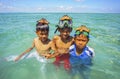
(17, 31)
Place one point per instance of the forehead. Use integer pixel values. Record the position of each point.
(65, 29)
(42, 31)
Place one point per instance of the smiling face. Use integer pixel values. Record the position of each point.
(81, 41)
(65, 33)
(43, 35)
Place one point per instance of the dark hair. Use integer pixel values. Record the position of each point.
(42, 26)
(70, 28)
(42, 29)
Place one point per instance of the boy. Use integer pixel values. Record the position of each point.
(80, 54)
(63, 41)
(41, 43)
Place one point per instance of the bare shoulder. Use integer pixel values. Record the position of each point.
(56, 37)
(71, 38)
(36, 38)
(48, 41)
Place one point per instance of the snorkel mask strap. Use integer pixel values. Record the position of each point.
(56, 28)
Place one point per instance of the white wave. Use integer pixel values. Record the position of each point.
(29, 55)
(10, 58)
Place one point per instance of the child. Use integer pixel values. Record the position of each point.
(41, 43)
(63, 41)
(80, 54)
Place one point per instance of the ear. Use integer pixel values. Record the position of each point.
(74, 37)
(37, 32)
(59, 29)
(88, 40)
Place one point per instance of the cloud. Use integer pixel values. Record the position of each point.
(64, 8)
(40, 8)
(84, 7)
(4, 7)
(1, 4)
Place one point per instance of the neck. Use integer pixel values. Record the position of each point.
(65, 40)
(78, 51)
(45, 42)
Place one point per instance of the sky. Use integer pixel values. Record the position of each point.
(73, 6)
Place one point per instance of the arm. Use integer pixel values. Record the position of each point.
(27, 51)
(53, 48)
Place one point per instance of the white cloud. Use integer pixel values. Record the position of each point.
(40, 8)
(10, 7)
(64, 8)
(1, 4)
(105, 9)
(4, 7)
(61, 7)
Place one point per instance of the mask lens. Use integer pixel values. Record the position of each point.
(65, 23)
(77, 33)
(84, 33)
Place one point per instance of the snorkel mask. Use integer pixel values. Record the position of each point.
(64, 22)
(83, 32)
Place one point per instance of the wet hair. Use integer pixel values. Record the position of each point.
(42, 27)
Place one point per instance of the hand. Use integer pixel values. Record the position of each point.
(17, 58)
(46, 55)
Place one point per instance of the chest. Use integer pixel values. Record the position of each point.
(40, 46)
(61, 44)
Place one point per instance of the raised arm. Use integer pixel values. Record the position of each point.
(27, 51)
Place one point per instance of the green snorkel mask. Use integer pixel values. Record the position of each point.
(83, 32)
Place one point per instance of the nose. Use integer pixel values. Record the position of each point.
(65, 33)
(44, 36)
(80, 43)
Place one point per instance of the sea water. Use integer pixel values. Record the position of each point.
(17, 31)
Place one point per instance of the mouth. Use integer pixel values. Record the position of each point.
(44, 39)
(80, 46)
(65, 36)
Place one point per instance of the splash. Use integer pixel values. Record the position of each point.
(28, 56)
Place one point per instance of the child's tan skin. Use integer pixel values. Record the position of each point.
(62, 42)
(41, 43)
(80, 42)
